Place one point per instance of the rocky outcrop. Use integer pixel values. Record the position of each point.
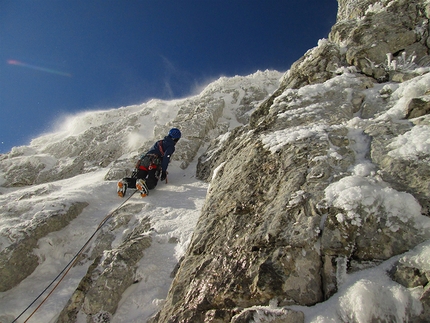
(369, 30)
(391, 167)
(275, 226)
(316, 66)
(268, 229)
(418, 107)
(414, 274)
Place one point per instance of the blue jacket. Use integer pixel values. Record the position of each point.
(168, 146)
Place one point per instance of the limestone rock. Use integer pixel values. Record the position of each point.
(316, 66)
(418, 107)
(269, 221)
(385, 139)
(416, 275)
(349, 10)
(369, 31)
(374, 240)
(408, 276)
(425, 300)
(263, 260)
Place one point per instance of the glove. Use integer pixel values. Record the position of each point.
(163, 176)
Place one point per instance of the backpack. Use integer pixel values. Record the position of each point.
(151, 161)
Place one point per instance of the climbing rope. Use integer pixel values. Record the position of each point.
(67, 268)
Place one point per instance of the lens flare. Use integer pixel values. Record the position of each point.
(37, 68)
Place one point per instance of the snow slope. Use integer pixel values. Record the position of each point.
(173, 209)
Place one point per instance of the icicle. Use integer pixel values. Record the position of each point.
(341, 267)
(389, 60)
(404, 57)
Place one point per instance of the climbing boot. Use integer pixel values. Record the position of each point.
(121, 188)
(142, 188)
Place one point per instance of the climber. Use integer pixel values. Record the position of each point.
(151, 166)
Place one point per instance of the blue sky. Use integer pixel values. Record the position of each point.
(59, 57)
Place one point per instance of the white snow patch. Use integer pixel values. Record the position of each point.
(276, 140)
(414, 144)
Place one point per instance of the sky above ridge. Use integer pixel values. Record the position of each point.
(59, 57)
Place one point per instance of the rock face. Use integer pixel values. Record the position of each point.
(274, 226)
